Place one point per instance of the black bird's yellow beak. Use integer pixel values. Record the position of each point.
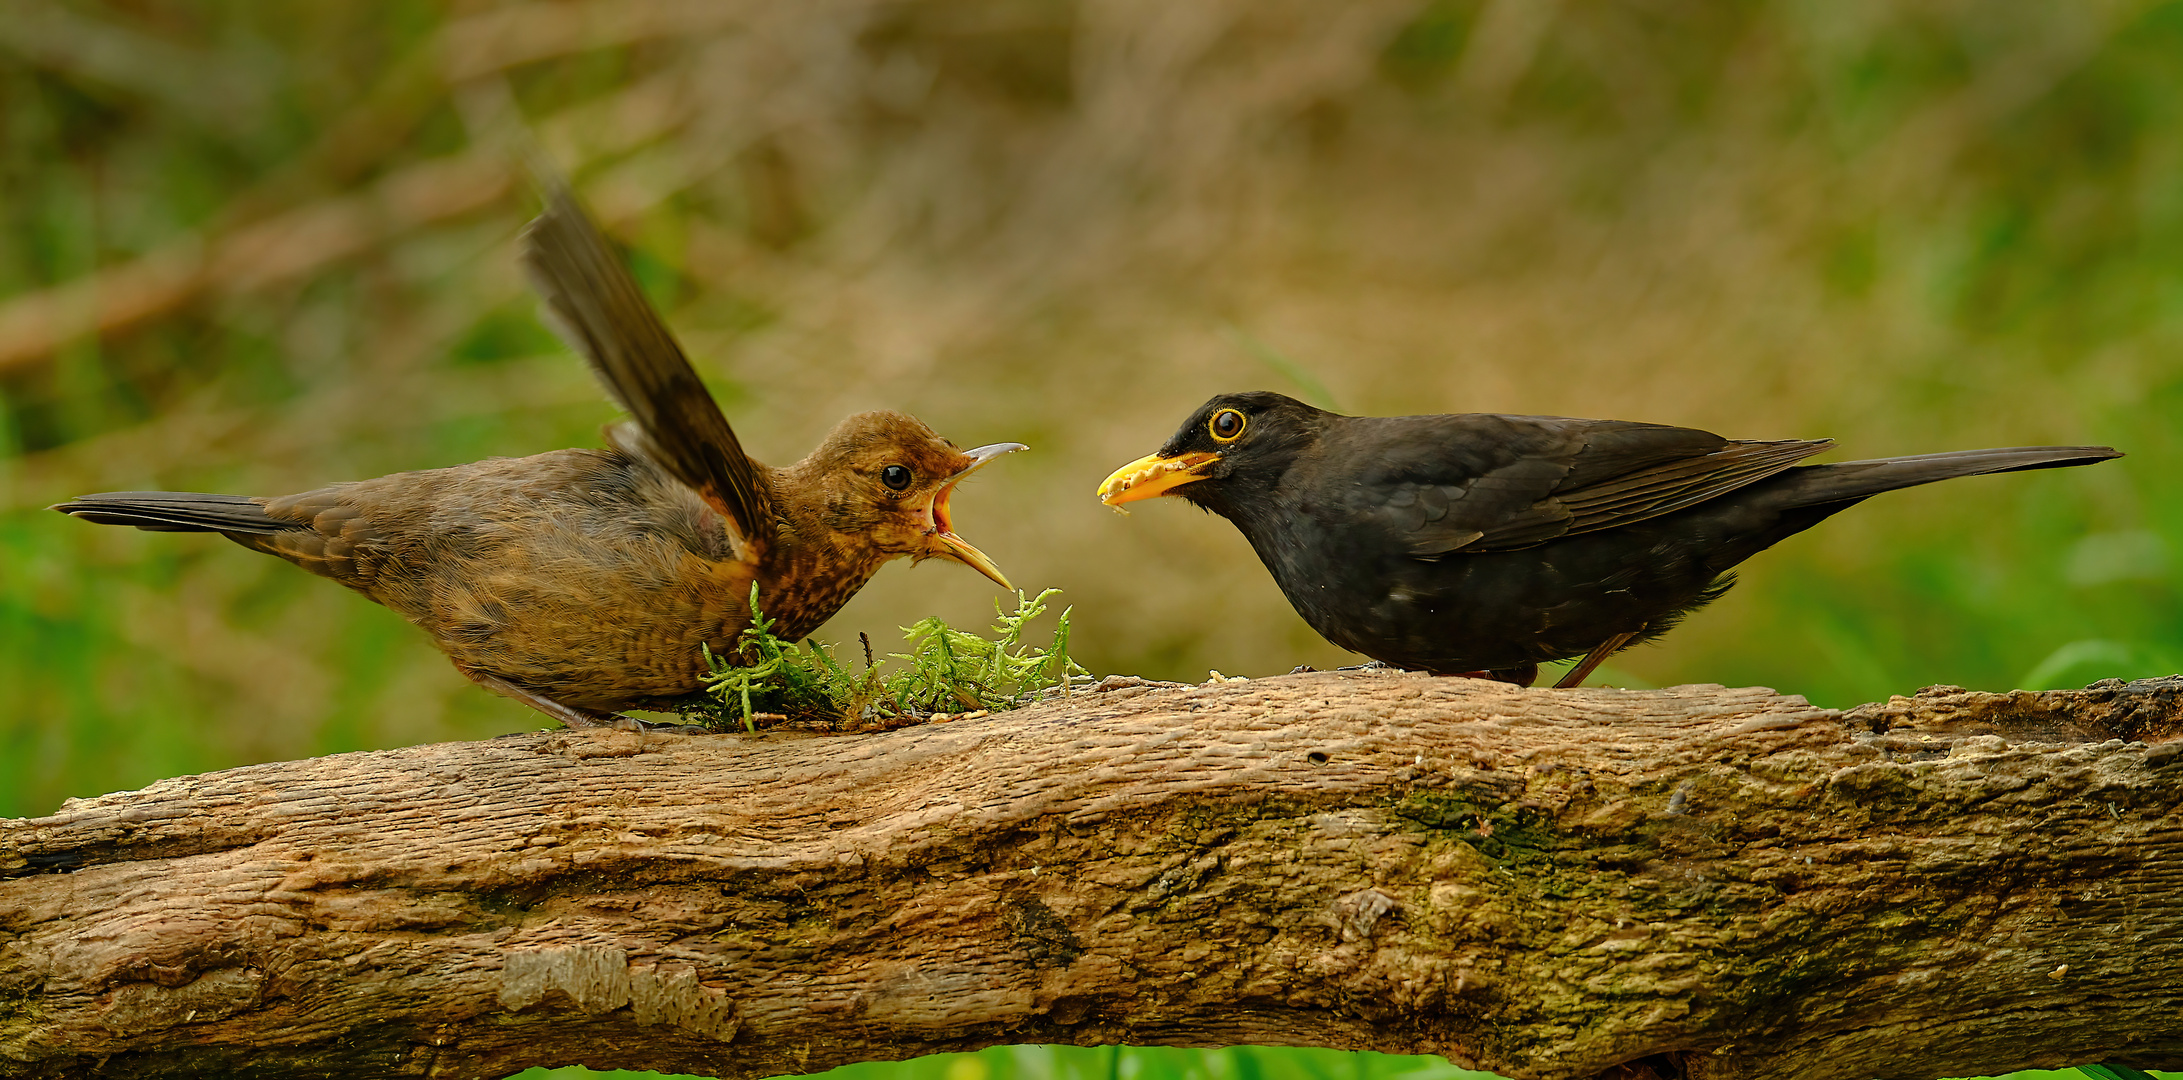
(1153, 476)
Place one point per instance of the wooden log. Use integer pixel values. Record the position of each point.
(1697, 882)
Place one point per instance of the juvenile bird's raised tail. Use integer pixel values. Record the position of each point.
(1849, 481)
(178, 511)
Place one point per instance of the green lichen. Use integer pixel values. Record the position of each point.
(1500, 833)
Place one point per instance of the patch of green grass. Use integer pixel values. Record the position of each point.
(945, 670)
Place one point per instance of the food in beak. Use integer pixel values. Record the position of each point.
(1152, 476)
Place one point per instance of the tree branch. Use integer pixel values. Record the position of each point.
(1696, 881)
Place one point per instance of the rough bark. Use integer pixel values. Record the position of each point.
(1697, 881)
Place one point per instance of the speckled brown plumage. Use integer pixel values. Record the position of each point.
(584, 581)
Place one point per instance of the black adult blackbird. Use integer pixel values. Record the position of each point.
(1481, 543)
(580, 582)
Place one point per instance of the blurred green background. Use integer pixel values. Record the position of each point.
(257, 248)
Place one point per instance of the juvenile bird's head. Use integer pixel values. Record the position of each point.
(1234, 439)
(883, 479)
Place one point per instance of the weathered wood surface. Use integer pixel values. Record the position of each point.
(1695, 881)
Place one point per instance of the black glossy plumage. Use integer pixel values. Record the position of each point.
(1462, 543)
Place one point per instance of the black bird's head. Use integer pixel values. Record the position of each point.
(1232, 442)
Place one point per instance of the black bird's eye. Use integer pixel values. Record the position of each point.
(895, 476)
(1226, 425)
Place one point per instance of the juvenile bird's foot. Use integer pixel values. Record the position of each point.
(570, 716)
(586, 718)
(623, 722)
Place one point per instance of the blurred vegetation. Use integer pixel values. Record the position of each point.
(257, 248)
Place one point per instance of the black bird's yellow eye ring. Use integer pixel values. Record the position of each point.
(1226, 426)
(895, 476)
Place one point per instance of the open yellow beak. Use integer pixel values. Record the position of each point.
(1152, 476)
(943, 526)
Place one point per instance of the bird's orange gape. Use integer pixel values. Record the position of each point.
(943, 526)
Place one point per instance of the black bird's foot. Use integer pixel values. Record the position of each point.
(1519, 676)
(1515, 676)
(1369, 665)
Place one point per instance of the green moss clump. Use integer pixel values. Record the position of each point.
(945, 670)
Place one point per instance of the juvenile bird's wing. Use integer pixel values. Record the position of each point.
(596, 306)
(1482, 482)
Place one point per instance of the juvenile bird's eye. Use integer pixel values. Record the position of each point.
(895, 476)
(1226, 425)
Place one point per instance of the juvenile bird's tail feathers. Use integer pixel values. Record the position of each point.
(177, 511)
(1818, 485)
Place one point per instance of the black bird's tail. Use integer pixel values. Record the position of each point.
(177, 511)
(1850, 481)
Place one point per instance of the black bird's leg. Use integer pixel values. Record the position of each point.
(569, 715)
(1606, 648)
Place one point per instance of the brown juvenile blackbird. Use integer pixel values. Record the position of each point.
(1488, 544)
(580, 581)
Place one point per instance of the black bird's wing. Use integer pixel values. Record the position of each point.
(594, 303)
(1484, 482)
(1667, 486)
